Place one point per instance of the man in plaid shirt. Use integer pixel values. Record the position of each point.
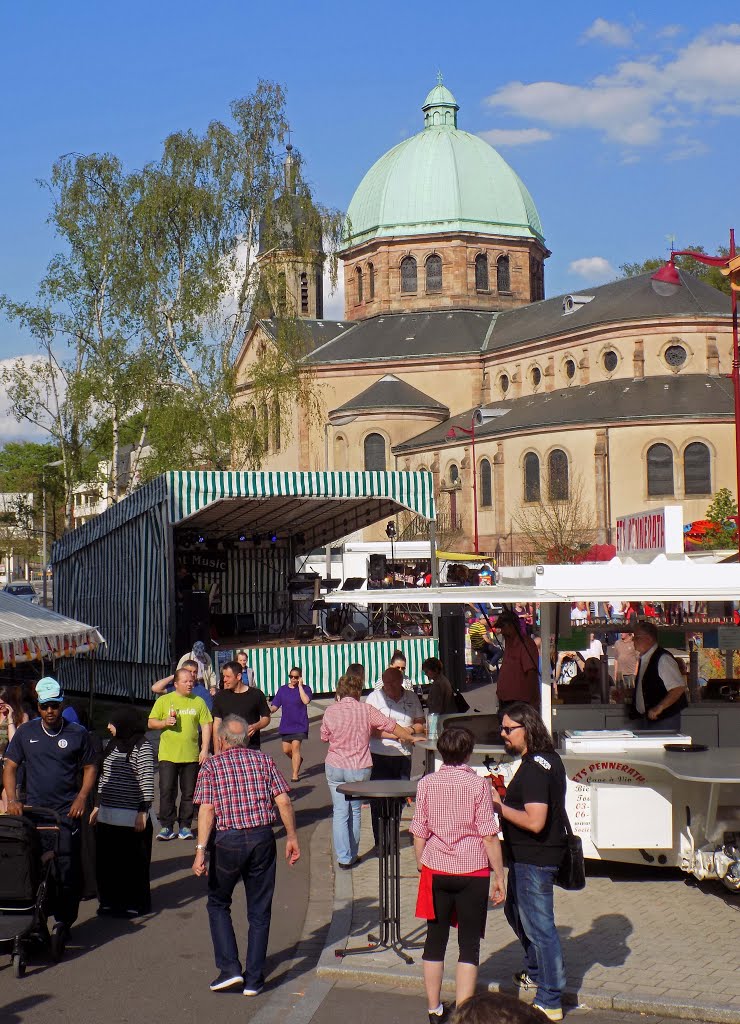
(238, 791)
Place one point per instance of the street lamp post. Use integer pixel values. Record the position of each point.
(470, 431)
(667, 281)
(44, 567)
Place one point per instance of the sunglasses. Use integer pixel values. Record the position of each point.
(294, 677)
(507, 729)
(49, 704)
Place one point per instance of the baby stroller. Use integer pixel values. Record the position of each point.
(27, 883)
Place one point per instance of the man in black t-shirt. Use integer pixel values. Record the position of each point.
(237, 698)
(533, 815)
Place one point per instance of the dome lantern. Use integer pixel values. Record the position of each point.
(440, 107)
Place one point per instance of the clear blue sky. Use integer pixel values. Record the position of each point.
(623, 125)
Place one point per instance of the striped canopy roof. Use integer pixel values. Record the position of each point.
(322, 506)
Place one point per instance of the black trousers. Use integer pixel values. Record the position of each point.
(387, 766)
(468, 897)
(172, 774)
(123, 858)
(66, 901)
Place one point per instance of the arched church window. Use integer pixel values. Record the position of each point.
(375, 453)
(697, 475)
(319, 296)
(434, 274)
(503, 274)
(358, 276)
(408, 274)
(557, 475)
(304, 293)
(531, 477)
(340, 452)
(370, 281)
(659, 470)
(486, 490)
(481, 272)
(454, 474)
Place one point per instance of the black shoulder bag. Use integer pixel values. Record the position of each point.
(461, 704)
(572, 871)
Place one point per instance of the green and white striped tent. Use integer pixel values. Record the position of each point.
(119, 569)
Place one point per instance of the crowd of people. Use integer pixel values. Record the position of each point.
(208, 762)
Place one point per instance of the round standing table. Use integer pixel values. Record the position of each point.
(390, 795)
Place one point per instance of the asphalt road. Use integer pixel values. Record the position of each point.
(159, 968)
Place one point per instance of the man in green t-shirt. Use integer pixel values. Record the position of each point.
(180, 716)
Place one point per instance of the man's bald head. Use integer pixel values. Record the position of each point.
(233, 731)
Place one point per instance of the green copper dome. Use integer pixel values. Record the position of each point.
(441, 180)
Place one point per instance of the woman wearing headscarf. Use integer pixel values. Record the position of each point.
(205, 675)
(121, 817)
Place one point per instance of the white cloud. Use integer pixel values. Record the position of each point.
(669, 31)
(10, 428)
(593, 268)
(515, 136)
(609, 32)
(639, 102)
(685, 148)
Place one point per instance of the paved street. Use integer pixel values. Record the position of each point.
(634, 933)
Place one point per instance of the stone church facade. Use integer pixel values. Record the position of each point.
(616, 396)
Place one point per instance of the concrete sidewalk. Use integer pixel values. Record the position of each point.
(637, 939)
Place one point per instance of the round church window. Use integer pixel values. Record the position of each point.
(570, 369)
(610, 360)
(504, 382)
(536, 375)
(675, 355)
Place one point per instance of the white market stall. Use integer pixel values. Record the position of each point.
(628, 802)
(30, 633)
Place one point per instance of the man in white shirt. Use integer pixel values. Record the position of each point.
(391, 757)
(660, 691)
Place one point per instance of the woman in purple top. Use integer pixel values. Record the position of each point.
(294, 700)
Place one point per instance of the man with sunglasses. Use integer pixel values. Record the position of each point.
(533, 816)
(56, 753)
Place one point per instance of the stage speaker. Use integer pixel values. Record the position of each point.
(349, 633)
(194, 621)
(377, 568)
(452, 643)
(306, 631)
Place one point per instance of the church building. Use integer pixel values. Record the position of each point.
(616, 397)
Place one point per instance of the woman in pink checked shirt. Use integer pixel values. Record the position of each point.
(456, 840)
(346, 727)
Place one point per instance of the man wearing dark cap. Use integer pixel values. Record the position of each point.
(55, 753)
(518, 677)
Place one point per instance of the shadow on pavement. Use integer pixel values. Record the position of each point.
(15, 1012)
(605, 943)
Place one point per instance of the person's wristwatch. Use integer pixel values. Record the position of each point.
(199, 846)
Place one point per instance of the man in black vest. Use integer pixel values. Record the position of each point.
(660, 690)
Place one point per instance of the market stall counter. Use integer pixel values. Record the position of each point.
(635, 802)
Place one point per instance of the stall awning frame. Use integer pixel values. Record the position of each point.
(30, 633)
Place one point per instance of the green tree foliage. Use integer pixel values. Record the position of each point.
(710, 275)
(723, 532)
(140, 317)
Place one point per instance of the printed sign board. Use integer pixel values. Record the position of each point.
(658, 531)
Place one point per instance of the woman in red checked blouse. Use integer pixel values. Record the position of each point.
(457, 848)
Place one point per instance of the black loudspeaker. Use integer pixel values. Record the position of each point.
(452, 643)
(194, 624)
(377, 568)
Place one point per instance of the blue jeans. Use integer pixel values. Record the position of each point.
(248, 854)
(529, 911)
(671, 723)
(346, 819)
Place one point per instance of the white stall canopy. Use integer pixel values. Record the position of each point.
(663, 579)
(29, 633)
